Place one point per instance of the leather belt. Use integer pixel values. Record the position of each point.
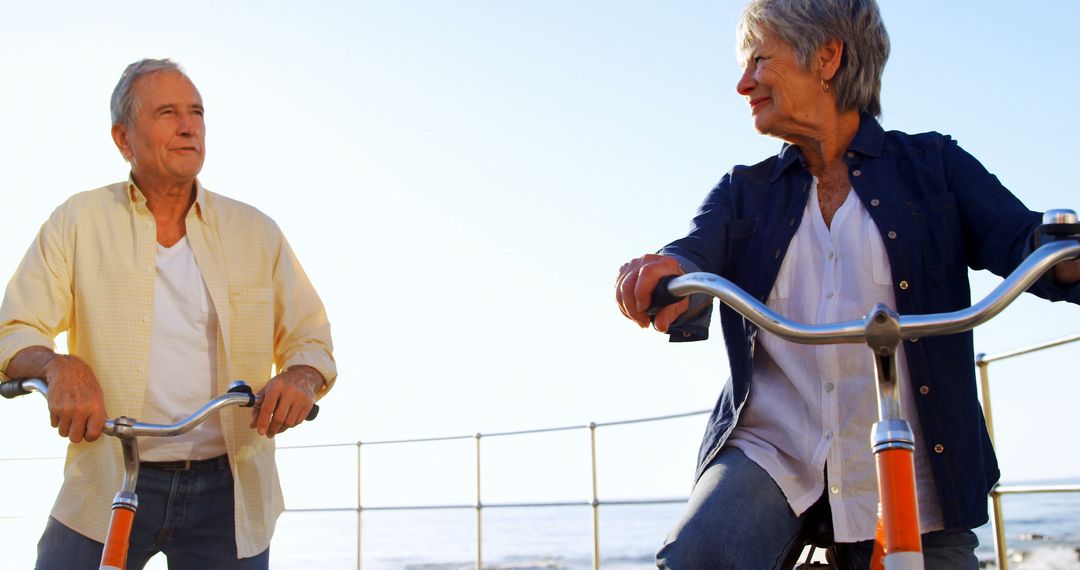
(185, 464)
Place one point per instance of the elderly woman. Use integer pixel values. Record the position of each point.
(845, 216)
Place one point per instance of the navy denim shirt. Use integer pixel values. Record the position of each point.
(939, 212)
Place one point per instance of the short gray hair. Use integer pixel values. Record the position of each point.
(806, 24)
(123, 104)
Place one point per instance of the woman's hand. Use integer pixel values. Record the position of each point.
(1067, 272)
(635, 285)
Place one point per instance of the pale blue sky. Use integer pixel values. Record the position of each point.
(462, 180)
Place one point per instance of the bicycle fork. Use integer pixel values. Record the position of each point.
(114, 555)
(898, 544)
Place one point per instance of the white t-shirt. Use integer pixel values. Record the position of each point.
(811, 407)
(183, 358)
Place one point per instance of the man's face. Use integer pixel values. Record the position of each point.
(165, 142)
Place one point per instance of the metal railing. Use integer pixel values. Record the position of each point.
(982, 362)
(595, 503)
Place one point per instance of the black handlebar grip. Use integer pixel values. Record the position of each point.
(13, 388)
(661, 297)
(314, 413)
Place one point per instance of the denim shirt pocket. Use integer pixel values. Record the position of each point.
(737, 234)
(937, 220)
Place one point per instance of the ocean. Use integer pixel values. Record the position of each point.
(1043, 534)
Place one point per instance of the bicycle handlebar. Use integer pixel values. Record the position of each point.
(670, 289)
(239, 394)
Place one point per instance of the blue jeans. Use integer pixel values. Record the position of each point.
(188, 515)
(737, 518)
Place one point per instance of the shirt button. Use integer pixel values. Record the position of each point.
(875, 202)
(829, 295)
(146, 318)
(892, 234)
(857, 172)
(686, 334)
(141, 370)
(828, 435)
(904, 285)
(834, 489)
(939, 448)
(149, 268)
(924, 390)
(831, 255)
(829, 386)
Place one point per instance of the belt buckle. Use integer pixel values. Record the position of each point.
(181, 465)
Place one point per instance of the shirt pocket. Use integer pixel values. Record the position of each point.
(879, 258)
(252, 326)
(937, 221)
(737, 236)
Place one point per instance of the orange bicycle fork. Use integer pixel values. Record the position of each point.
(114, 554)
(898, 544)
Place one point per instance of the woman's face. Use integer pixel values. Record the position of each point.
(785, 100)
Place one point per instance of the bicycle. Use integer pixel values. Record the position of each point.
(126, 503)
(897, 544)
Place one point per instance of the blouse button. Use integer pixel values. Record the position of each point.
(904, 285)
(924, 390)
(857, 173)
(875, 202)
(939, 448)
(892, 234)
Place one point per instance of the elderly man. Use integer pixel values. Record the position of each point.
(167, 292)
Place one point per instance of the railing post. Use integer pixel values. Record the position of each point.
(479, 512)
(595, 500)
(997, 517)
(984, 382)
(360, 512)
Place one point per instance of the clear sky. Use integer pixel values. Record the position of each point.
(462, 180)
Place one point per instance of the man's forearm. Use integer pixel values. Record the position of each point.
(30, 362)
(313, 377)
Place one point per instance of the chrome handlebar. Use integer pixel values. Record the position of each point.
(855, 331)
(239, 394)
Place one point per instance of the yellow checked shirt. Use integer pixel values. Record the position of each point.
(91, 272)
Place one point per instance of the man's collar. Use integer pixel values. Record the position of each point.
(868, 141)
(136, 197)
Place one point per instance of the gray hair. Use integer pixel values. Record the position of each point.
(123, 105)
(807, 24)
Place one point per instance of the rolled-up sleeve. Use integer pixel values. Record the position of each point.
(37, 305)
(301, 328)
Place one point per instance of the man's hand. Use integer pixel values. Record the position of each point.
(286, 400)
(634, 287)
(76, 404)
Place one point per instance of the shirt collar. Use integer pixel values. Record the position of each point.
(868, 141)
(137, 198)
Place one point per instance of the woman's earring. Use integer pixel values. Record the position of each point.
(824, 86)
